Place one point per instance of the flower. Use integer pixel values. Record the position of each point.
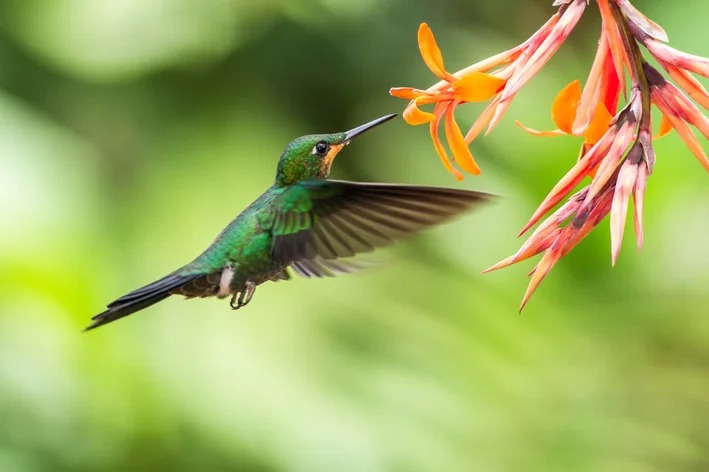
(511, 69)
(471, 87)
(617, 153)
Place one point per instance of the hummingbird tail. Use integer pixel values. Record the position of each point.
(141, 298)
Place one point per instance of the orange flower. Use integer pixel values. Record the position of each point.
(515, 67)
(472, 87)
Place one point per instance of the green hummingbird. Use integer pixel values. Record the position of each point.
(304, 222)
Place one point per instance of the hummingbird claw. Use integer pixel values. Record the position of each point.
(245, 296)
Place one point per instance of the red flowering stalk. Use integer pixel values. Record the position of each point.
(616, 153)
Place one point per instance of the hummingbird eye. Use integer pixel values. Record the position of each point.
(321, 148)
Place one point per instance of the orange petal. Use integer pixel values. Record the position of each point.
(457, 143)
(477, 87)
(431, 54)
(407, 93)
(438, 111)
(483, 66)
(556, 132)
(413, 115)
(599, 124)
(563, 110)
(665, 127)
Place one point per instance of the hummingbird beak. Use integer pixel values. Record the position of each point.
(353, 133)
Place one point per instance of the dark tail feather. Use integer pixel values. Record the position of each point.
(140, 298)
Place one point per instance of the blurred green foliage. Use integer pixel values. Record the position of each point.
(134, 130)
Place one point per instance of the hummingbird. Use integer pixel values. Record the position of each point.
(303, 222)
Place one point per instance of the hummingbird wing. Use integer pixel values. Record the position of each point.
(322, 220)
(319, 267)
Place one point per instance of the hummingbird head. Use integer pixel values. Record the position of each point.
(310, 157)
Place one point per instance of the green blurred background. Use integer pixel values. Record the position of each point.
(132, 131)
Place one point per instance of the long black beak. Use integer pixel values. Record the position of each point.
(353, 133)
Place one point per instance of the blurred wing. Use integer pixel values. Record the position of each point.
(321, 220)
(319, 267)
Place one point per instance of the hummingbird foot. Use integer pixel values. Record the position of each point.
(245, 296)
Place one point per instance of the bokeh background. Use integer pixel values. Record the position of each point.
(132, 131)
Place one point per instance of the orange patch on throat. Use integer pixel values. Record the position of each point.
(327, 160)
